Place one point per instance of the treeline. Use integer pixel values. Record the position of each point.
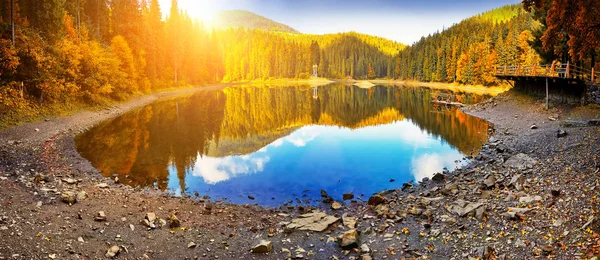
(256, 54)
(469, 52)
(96, 50)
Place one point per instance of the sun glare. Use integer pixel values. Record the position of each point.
(203, 10)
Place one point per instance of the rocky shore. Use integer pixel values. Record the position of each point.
(530, 193)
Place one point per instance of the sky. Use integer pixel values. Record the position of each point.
(404, 21)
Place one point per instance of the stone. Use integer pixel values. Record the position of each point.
(191, 245)
(485, 253)
(336, 205)
(82, 195)
(324, 194)
(348, 221)
(174, 221)
(463, 208)
(112, 251)
(364, 249)
(520, 161)
(348, 196)
(547, 250)
(263, 247)
(102, 185)
(376, 200)
(68, 197)
(101, 216)
(382, 210)
(250, 197)
(150, 216)
(438, 177)
(530, 199)
(80, 239)
(533, 126)
(517, 182)
(70, 181)
(447, 219)
(515, 213)
(366, 257)
(315, 221)
(561, 133)
(490, 181)
(349, 239)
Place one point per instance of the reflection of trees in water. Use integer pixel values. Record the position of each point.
(241, 120)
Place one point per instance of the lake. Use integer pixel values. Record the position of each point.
(284, 144)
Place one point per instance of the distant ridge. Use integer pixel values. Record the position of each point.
(250, 20)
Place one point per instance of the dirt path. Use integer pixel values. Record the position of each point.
(489, 208)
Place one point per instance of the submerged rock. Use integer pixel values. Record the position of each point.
(348, 196)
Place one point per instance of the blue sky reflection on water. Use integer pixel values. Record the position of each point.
(335, 159)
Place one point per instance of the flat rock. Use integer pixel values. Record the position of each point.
(316, 221)
(530, 199)
(102, 185)
(263, 247)
(520, 162)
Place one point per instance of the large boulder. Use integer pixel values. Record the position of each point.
(263, 247)
(520, 162)
(316, 221)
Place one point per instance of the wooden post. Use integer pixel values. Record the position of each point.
(533, 72)
(552, 69)
(518, 69)
(568, 68)
(593, 75)
(547, 98)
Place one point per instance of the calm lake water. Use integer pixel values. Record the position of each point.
(278, 144)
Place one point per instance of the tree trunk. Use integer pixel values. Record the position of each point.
(12, 20)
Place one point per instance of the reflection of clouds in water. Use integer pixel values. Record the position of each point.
(214, 170)
(301, 137)
(411, 133)
(428, 164)
(277, 143)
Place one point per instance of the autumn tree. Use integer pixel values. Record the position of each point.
(574, 21)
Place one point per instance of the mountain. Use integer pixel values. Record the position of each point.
(250, 20)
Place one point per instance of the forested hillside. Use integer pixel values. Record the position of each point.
(468, 52)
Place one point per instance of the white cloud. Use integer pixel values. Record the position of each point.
(215, 170)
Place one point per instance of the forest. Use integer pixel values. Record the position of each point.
(68, 54)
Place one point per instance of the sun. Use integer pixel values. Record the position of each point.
(203, 10)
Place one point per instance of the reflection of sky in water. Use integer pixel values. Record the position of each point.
(334, 159)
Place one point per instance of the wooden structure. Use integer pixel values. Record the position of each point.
(566, 73)
(315, 71)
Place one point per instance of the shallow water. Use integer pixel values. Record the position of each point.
(281, 144)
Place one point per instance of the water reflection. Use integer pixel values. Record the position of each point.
(280, 143)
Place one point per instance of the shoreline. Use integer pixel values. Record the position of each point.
(415, 220)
